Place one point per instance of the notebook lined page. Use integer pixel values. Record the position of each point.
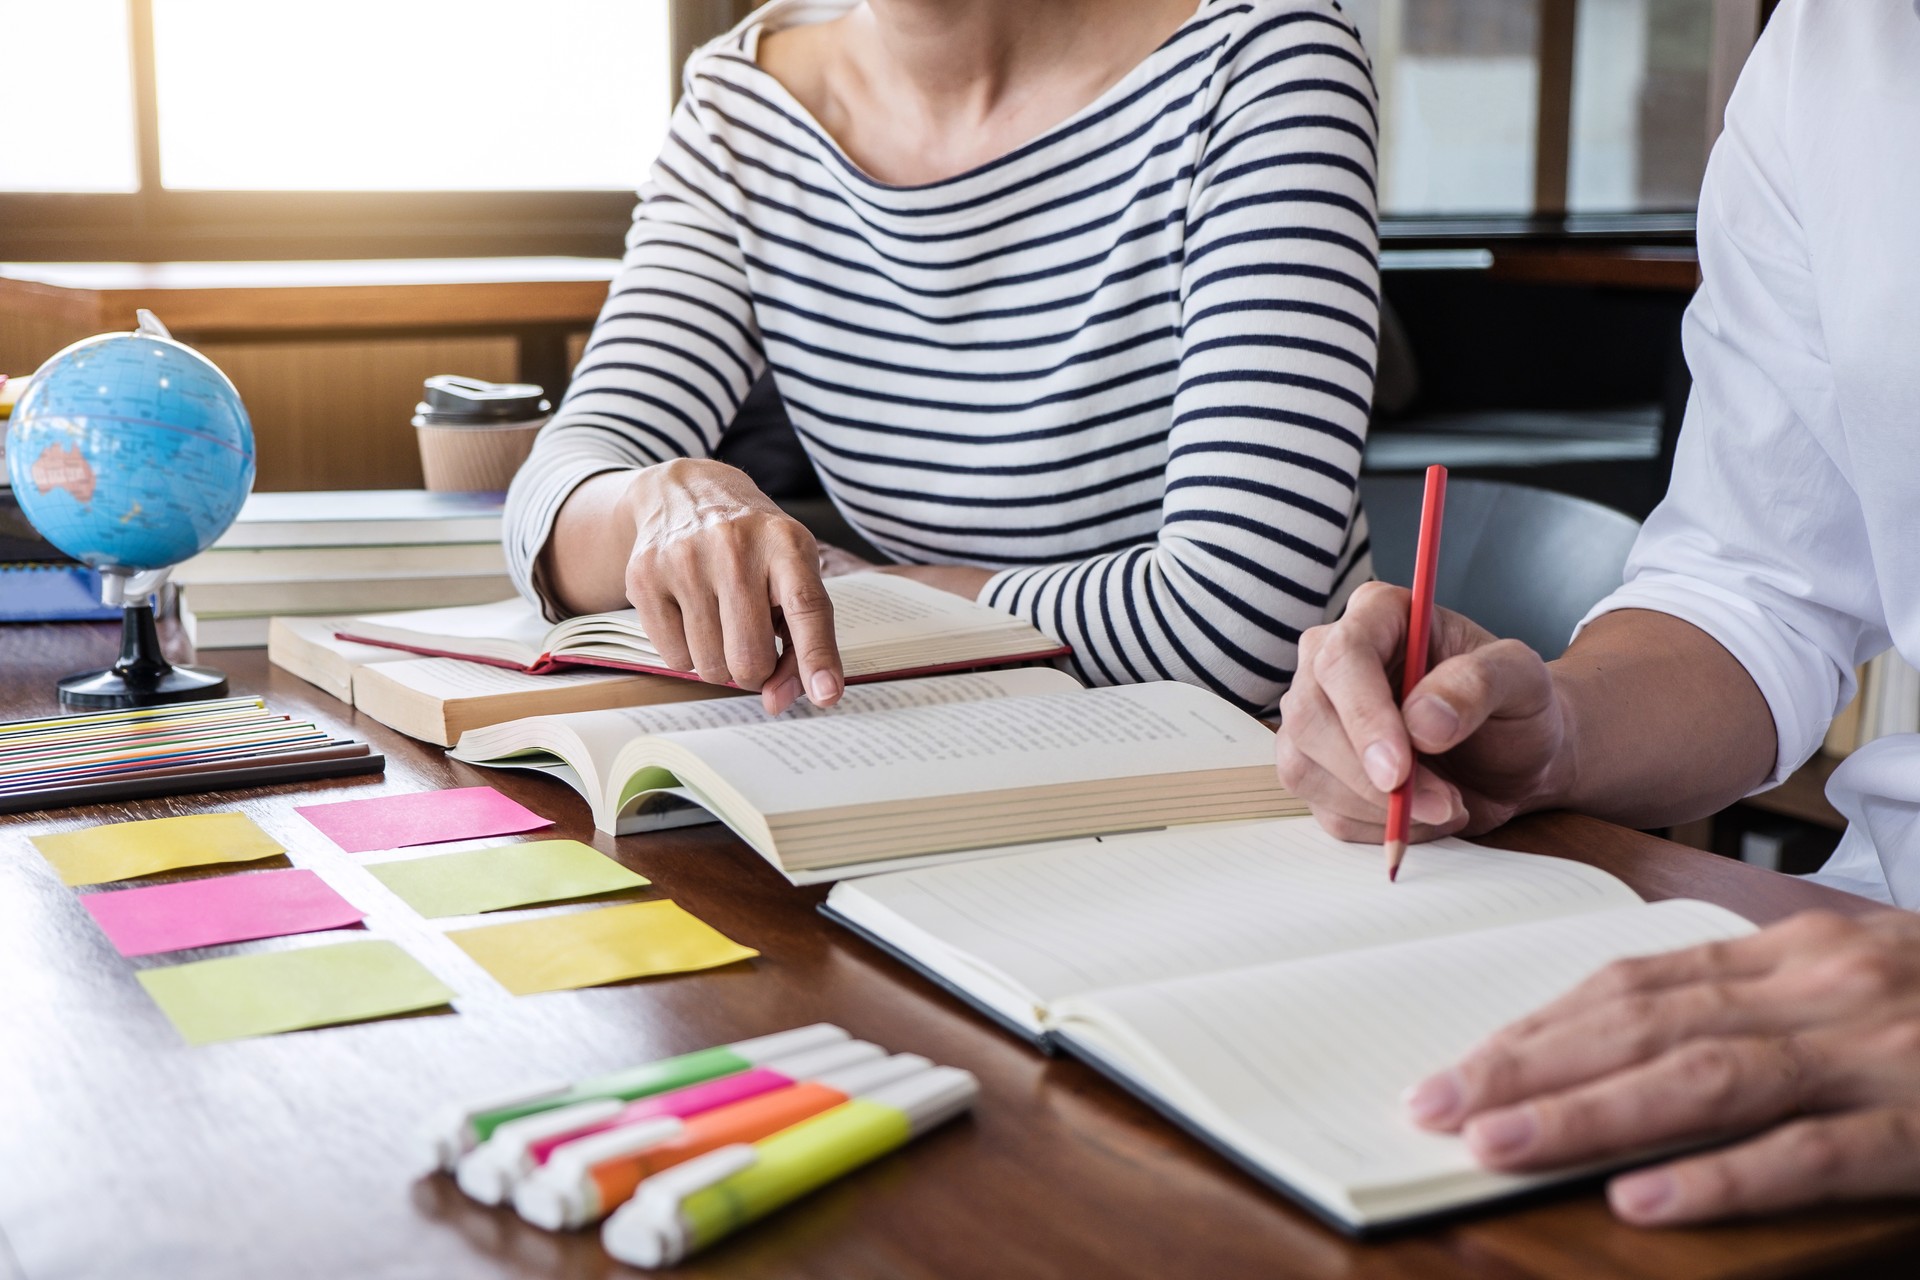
(1303, 1064)
(1162, 904)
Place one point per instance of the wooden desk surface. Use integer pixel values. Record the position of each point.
(252, 298)
(126, 1153)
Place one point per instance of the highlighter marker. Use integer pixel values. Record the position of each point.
(585, 1180)
(687, 1208)
(488, 1172)
(458, 1130)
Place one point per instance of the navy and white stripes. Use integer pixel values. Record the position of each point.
(1129, 363)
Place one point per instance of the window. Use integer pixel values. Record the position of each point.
(156, 129)
(1629, 87)
(410, 95)
(1641, 77)
(1458, 84)
(59, 130)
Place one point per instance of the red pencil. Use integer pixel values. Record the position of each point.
(1426, 563)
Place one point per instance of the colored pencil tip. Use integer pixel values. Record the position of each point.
(1393, 875)
(1396, 850)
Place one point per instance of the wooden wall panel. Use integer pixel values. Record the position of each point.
(25, 341)
(336, 415)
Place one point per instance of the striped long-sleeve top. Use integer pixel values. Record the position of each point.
(1128, 364)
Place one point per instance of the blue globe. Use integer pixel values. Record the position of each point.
(130, 451)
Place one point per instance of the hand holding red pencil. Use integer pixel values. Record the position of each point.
(1486, 723)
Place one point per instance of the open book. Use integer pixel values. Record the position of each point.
(952, 765)
(1265, 987)
(887, 626)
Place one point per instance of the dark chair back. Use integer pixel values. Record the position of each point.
(1524, 563)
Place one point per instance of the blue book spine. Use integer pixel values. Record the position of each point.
(52, 593)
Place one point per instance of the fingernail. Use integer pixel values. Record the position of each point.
(1642, 1196)
(825, 687)
(1503, 1133)
(1431, 720)
(1381, 766)
(788, 691)
(1434, 1100)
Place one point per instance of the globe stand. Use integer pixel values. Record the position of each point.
(142, 677)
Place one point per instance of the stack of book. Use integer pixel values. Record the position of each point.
(1888, 702)
(311, 554)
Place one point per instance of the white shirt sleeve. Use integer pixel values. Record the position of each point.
(1761, 541)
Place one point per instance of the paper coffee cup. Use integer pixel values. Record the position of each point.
(474, 458)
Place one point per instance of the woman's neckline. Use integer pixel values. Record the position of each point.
(759, 25)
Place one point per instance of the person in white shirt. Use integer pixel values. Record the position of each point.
(1786, 552)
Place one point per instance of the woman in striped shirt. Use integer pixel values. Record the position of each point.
(1072, 303)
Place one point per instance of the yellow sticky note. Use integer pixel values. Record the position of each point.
(124, 850)
(508, 875)
(587, 948)
(262, 993)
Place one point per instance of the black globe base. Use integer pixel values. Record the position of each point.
(142, 677)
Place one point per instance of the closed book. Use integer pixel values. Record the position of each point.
(336, 595)
(310, 647)
(438, 699)
(364, 517)
(41, 592)
(228, 565)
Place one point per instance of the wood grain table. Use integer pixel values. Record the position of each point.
(125, 1153)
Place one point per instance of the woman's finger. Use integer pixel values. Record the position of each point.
(807, 611)
(782, 688)
(664, 627)
(746, 619)
(706, 639)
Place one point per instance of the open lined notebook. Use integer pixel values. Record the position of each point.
(1264, 986)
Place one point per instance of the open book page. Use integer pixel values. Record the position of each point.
(1148, 730)
(1300, 1065)
(880, 608)
(601, 734)
(1161, 904)
(511, 630)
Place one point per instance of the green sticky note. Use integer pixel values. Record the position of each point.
(508, 875)
(260, 994)
(123, 850)
(587, 948)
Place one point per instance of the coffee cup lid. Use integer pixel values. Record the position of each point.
(452, 398)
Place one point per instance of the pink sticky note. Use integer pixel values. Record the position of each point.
(205, 913)
(392, 822)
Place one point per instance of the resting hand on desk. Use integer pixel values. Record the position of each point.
(1808, 1030)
